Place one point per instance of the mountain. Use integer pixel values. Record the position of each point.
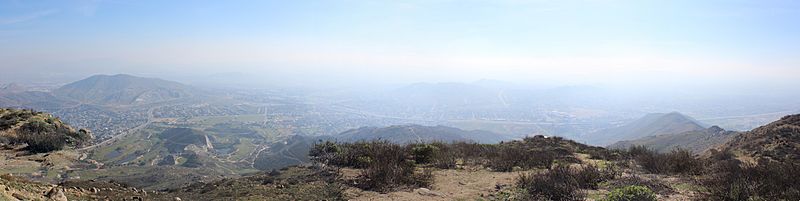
(11, 88)
(697, 141)
(649, 125)
(777, 141)
(417, 133)
(34, 99)
(123, 89)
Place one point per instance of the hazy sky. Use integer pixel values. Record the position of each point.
(572, 42)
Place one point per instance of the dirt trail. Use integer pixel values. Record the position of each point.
(448, 185)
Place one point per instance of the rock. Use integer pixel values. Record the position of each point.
(95, 190)
(56, 194)
(177, 199)
(428, 192)
(19, 196)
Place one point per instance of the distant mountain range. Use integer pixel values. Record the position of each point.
(649, 125)
(123, 89)
(418, 133)
(698, 141)
(11, 88)
(777, 141)
(118, 89)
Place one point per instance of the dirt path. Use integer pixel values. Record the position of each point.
(448, 185)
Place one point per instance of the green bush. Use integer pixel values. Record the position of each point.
(631, 193)
(423, 153)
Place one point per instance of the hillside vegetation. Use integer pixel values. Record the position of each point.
(778, 141)
(38, 132)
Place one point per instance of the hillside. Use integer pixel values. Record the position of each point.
(777, 141)
(417, 133)
(697, 141)
(649, 125)
(38, 146)
(11, 88)
(38, 131)
(123, 89)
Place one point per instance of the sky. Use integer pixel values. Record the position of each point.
(605, 42)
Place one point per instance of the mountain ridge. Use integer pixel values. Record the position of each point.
(649, 125)
(697, 141)
(122, 89)
(777, 141)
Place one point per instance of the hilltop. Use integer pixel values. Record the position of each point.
(123, 89)
(778, 141)
(38, 131)
(649, 125)
(697, 141)
(417, 133)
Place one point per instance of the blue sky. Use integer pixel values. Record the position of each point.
(575, 42)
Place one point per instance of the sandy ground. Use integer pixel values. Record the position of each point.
(448, 185)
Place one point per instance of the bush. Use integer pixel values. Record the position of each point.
(678, 161)
(391, 169)
(557, 184)
(589, 176)
(653, 184)
(732, 180)
(41, 137)
(386, 166)
(423, 153)
(631, 193)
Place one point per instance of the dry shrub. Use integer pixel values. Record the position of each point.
(729, 179)
(678, 161)
(563, 183)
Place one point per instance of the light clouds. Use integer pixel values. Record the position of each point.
(27, 17)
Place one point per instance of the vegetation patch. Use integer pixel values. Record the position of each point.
(631, 193)
(562, 182)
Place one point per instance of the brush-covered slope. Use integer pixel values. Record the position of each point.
(123, 89)
(649, 125)
(38, 131)
(697, 141)
(776, 141)
(417, 133)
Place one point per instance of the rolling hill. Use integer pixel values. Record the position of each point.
(697, 141)
(123, 89)
(649, 125)
(417, 133)
(777, 141)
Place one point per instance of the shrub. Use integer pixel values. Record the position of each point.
(653, 184)
(390, 169)
(423, 153)
(556, 184)
(732, 180)
(678, 161)
(631, 193)
(41, 137)
(589, 176)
